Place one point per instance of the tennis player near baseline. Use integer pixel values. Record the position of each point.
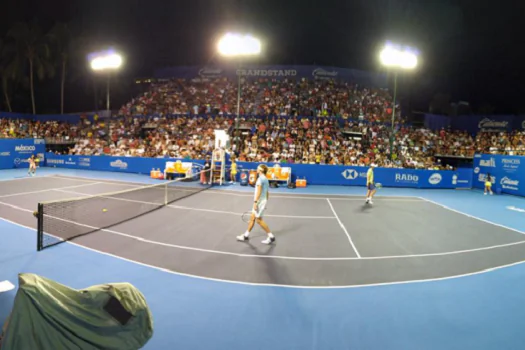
(259, 205)
(370, 185)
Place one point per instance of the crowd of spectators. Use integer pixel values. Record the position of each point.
(339, 124)
(288, 97)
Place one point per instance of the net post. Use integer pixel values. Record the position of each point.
(40, 227)
(166, 193)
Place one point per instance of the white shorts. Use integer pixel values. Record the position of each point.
(261, 206)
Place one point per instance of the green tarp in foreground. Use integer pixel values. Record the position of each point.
(49, 315)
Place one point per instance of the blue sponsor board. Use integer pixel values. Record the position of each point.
(475, 123)
(507, 172)
(314, 174)
(274, 72)
(15, 153)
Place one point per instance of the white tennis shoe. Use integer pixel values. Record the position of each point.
(268, 240)
(242, 238)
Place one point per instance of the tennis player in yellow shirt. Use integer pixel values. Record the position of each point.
(370, 185)
(233, 171)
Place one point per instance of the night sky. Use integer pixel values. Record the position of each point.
(470, 50)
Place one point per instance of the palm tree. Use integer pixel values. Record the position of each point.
(32, 45)
(5, 59)
(60, 36)
(10, 72)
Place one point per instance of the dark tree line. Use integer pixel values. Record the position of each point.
(31, 57)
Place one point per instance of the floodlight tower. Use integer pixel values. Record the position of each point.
(238, 45)
(106, 62)
(397, 58)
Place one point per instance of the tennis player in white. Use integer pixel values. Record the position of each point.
(259, 205)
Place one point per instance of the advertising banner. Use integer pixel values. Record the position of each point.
(475, 123)
(314, 174)
(507, 172)
(275, 72)
(14, 153)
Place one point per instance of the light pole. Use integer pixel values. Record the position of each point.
(397, 58)
(238, 45)
(106, 62)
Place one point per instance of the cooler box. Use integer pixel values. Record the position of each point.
(155, 174)
(300, 183)
(244, 177)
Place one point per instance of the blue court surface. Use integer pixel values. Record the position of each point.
(480, 310)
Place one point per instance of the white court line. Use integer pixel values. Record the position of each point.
(472, 216)
(46, 190)
(102, 181)
(27, 178)
(253, 284)
(195, 209)
(6, 286)
(343, 227)
(323, 195)
(238, 193)
(454, 252)
(321, 198)
(464, 251)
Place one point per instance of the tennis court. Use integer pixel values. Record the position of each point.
(322, 240)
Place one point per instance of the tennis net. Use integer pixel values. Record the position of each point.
(63, 220)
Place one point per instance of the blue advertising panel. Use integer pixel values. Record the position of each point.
(274, 72)
(70, 118)
(14, 153)
(475, 123)
(507, 172)
(314, 174)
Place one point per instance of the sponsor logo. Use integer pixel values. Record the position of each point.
(25, 149)
(267, 72)
(516, 209)
(243, 176)
(119, 164)
(477, 156)
(407, 178)
(351, 174)
(489, 123)
(434, 179)
(510, 161)
(84, 161)
(210, 72)
(19, 161)
(462, 181)
(488, 162)
(56, 161)
(483, 178)
(454, 179)
(323, 73)
(5, 154)
(476, 170)
(70, 161)
(509, 184)
(39, 141)
(510, 164)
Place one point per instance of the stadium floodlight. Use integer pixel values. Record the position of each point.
(232, 44)
(397, 58)
(238, 45)
(107, 62)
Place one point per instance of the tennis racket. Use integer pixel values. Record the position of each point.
(246, 216)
